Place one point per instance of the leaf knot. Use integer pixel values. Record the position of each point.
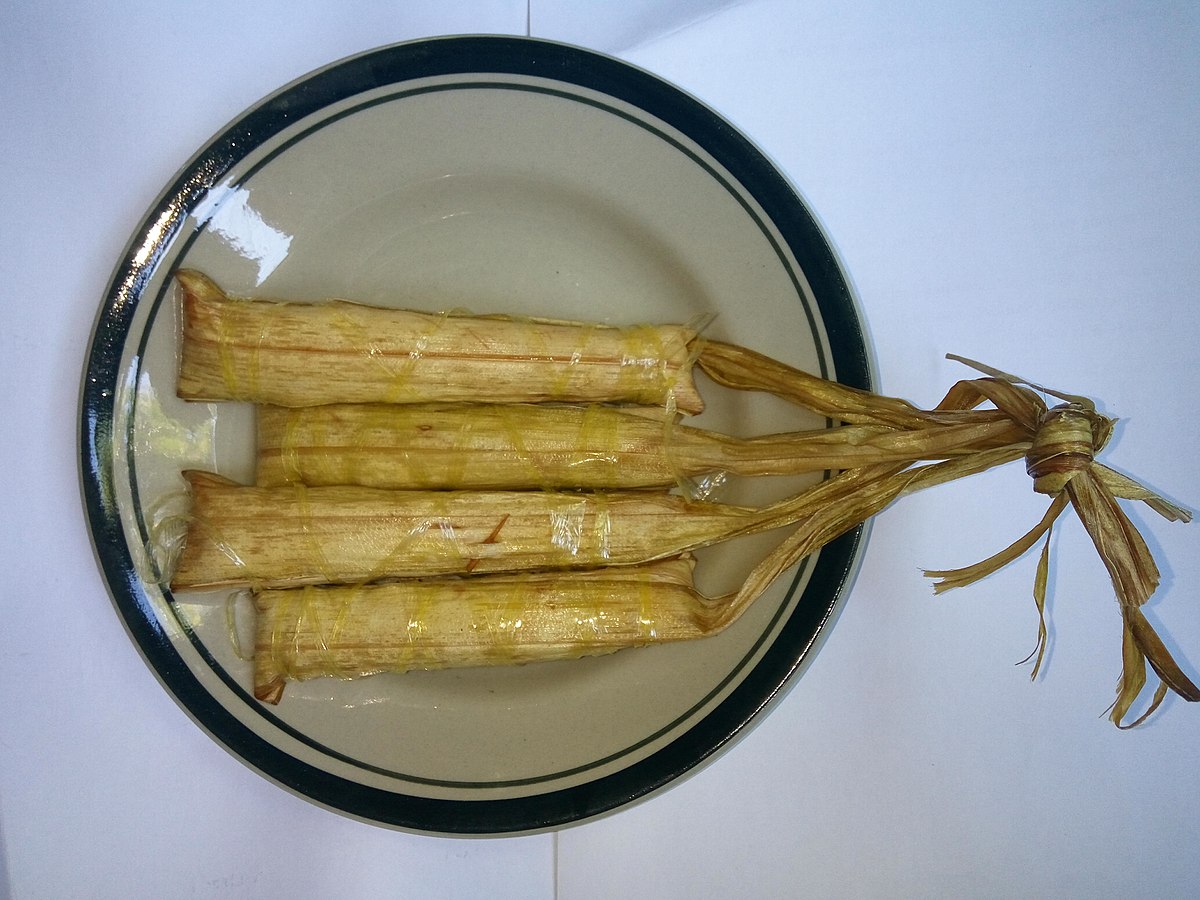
(1065, 443)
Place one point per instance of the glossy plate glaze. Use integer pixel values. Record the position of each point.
(494, 175)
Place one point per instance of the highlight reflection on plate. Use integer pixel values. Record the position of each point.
(495, 175)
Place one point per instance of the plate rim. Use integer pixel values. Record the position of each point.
(394, 64)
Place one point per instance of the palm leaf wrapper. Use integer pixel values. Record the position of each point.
(398, 523)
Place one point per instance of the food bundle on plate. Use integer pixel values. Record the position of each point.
(437, 490)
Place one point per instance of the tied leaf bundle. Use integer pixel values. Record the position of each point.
(254, 537)
(597, 447)
(354, 630)
(304, 354)
(395, 526)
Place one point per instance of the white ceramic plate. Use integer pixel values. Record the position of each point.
(496, 175)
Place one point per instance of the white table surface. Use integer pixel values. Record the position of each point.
(1018, 184)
